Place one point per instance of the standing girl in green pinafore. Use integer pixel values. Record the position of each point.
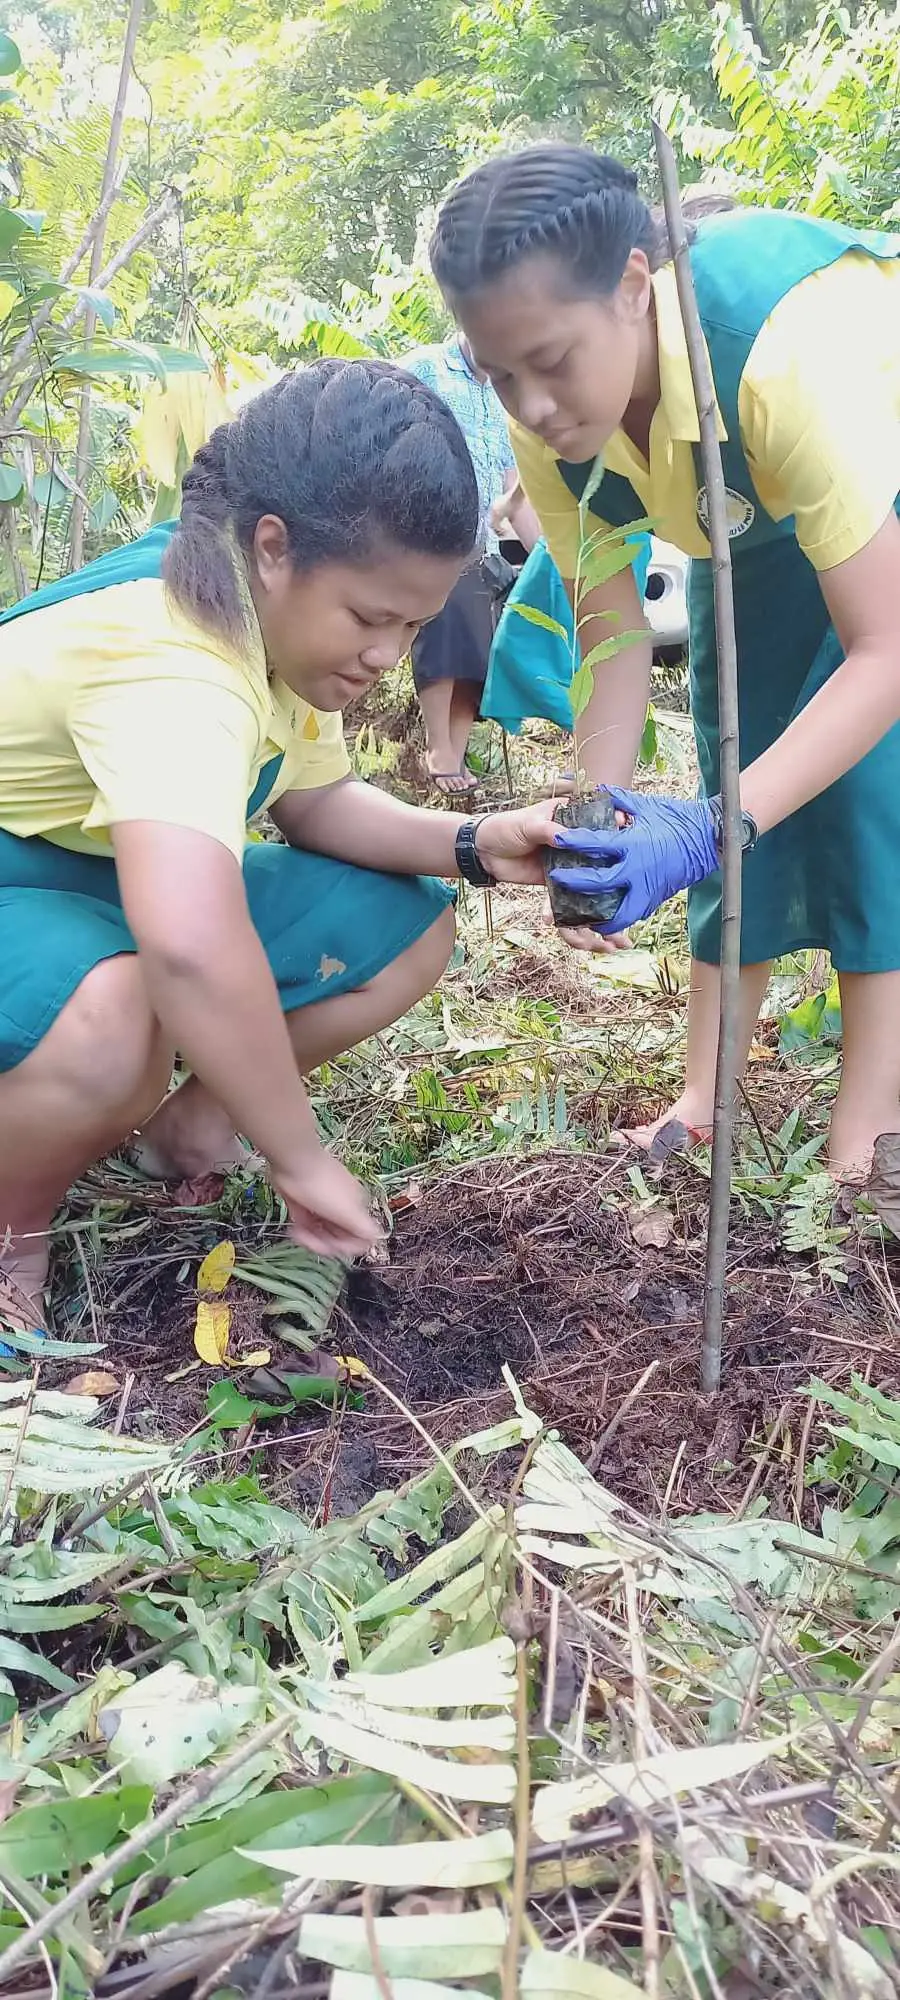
(553, 266)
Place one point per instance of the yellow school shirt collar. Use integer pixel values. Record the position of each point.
(675, 420)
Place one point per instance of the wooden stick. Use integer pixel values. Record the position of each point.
(729, 773)
(83, 446)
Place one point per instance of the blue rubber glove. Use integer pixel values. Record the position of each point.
(668, 845)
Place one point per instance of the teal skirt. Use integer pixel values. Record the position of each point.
(531, 665)
(827, 878)
(326, 927)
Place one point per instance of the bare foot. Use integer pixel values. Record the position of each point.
(852, 1169)
(852, 1139)
(190, 1135)
(689, 1115)
(24, 1269)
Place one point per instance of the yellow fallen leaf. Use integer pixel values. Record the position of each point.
(260, 1357)
(178, 1374)
(216, 1269)
(352, 1365)
(211, 1330)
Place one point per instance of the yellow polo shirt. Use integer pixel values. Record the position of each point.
(114, 706)
(819, 412)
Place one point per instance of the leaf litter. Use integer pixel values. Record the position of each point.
(340, 1719)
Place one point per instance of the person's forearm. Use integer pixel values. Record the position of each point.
(356, 822)
(608, 732)
(224, 1017)
(841, 724)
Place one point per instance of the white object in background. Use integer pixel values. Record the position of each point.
(665, 595)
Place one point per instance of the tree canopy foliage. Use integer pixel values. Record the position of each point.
(276, 171)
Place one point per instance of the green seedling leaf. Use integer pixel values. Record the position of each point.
(20, 1659)
(10, 59)
(593, 480)
(533, 616)
(51, 1840)
(132, 357)
(216, 1873)
(42, 1348)
(229, 1409)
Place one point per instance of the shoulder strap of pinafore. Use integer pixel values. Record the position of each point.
(130, 564)
(743, 264)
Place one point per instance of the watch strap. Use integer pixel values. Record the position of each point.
(470, 866)
(749, 833)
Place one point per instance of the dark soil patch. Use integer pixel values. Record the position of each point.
(530, 1262)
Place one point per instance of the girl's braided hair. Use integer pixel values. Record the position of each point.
(350, 455)
(580, 206)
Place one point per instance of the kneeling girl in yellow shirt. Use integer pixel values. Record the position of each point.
(148, 707)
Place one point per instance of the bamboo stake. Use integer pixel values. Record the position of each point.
(83, 447)
(729, 773)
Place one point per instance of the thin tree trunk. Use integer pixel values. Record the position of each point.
(729, 772)
(83, 447)
(152, 220)
(39, 320)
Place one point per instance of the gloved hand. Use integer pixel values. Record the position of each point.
(667, 845)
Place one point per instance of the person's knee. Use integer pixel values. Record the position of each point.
(414, 972)
(425, 961)
(107, 1044)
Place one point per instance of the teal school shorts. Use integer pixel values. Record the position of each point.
(326, 926)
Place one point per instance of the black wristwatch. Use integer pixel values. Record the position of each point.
(467, 860)
(750, 830)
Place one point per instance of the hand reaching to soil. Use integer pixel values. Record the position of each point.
(327, 1209)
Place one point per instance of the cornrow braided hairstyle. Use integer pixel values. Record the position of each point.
(349, 455)
(580, 206)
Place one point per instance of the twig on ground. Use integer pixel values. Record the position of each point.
(378, 1972)
(124, 1401)
(510, 1976)
(646, 1863)
(800, 1469)
(597, 1451)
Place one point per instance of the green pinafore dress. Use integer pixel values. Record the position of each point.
(827, 878)
(326, 926)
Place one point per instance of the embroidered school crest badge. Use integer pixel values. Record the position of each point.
(741, 512)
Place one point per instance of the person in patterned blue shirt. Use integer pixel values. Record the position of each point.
(450, 655)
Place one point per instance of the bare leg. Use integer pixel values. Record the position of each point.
(442, 761)
(94, 1076)
(191, 1133)
(696, 1104)
(868, 1101)
(463, 710)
